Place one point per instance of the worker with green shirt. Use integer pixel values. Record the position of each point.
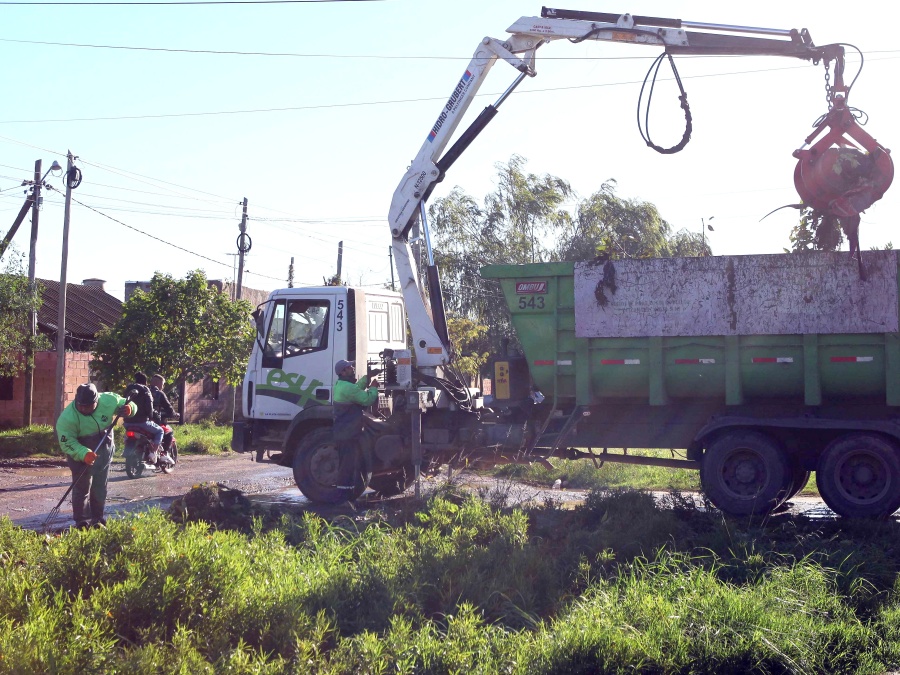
(350, 397)
(80, 429)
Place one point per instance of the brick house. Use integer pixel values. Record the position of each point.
(88, 308)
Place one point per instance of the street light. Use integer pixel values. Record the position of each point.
(706, 226)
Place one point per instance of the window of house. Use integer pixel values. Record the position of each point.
(210, 388)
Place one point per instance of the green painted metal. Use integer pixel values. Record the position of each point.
(806, 369)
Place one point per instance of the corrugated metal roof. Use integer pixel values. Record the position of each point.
(88, 309)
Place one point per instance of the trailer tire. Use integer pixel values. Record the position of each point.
(859, 476)
(745, 473)
(395, 483)
(327, 475)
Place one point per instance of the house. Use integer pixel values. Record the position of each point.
(88, 309)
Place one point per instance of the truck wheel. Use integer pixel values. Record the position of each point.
(393, 484)
(859, 476)
(326, 474)
(745, 473)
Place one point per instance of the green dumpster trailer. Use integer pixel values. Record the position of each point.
(760, 368)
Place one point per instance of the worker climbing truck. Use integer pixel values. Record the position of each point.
(754, 370)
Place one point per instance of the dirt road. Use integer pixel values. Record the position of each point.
(29, 489)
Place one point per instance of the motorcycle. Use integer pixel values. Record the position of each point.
(139, 455)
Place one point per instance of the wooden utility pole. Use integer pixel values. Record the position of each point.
(243, 244)
(340, 260)
(291, 274)
(32, 289)
(391, 265)
(61, 317)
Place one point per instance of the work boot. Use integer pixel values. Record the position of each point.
(82, 525)
(99, 523)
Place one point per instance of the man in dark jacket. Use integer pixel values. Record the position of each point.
(138, 392)
(162, 409)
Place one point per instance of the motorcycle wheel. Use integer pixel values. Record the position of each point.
(173, 453)
(133, 466)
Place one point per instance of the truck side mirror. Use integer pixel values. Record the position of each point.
(258, 320)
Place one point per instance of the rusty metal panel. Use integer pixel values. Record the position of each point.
(783, 294)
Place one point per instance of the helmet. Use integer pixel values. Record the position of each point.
(86, 394)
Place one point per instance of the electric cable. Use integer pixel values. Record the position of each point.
(163, 241)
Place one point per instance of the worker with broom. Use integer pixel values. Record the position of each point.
(84, 430)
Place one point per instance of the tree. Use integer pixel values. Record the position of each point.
(17, 302)
(184, 329)
(816, 232)
(469, 339)
(620, 228)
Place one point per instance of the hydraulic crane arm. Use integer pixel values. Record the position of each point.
(518, 50)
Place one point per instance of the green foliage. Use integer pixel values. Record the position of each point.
(621, 585)
(470, 339)
(619, 228)
(182, 328)
(816, 232)
(17, 302)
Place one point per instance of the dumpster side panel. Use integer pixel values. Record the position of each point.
(629, 349)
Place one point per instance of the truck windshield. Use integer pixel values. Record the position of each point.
(297, 327)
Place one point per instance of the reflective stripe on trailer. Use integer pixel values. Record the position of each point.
(774, 359)
(693, 361)
(620, 362)
(852, 359)
(553, 363)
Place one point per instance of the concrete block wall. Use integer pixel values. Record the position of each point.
(198, 407)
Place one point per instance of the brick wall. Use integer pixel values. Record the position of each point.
(12, 413)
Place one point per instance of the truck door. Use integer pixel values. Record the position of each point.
(296, 363)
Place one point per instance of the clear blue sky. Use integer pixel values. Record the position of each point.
(356, 102)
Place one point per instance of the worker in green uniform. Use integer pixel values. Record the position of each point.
(350, 397)
(80, 429)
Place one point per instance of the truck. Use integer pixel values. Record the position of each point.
(753, 370)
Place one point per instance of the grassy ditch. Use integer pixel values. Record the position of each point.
(203, 438)
(620, 585)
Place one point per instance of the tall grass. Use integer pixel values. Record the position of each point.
(619, 585)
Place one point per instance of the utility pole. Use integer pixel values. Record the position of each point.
(340, 259)
(243, 244)
(32, 288)
(73, 179)
(391, 265)
(291, 274)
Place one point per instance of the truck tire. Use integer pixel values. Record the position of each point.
(745, 473)
(859, 476)
(393, 484)
(327, 475)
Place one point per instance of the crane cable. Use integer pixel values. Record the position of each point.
(644, 128)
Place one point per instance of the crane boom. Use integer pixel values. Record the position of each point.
(526, 35)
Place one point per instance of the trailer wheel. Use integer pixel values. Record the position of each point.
(393, 484)
(745, 473)
(859, 476)
(327, 473)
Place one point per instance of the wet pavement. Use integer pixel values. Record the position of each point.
(29, 489)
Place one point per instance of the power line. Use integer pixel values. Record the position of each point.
(399, 57)
(163, 241)
(326, 106)
(190, 2)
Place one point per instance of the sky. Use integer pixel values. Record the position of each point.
(317, 128)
